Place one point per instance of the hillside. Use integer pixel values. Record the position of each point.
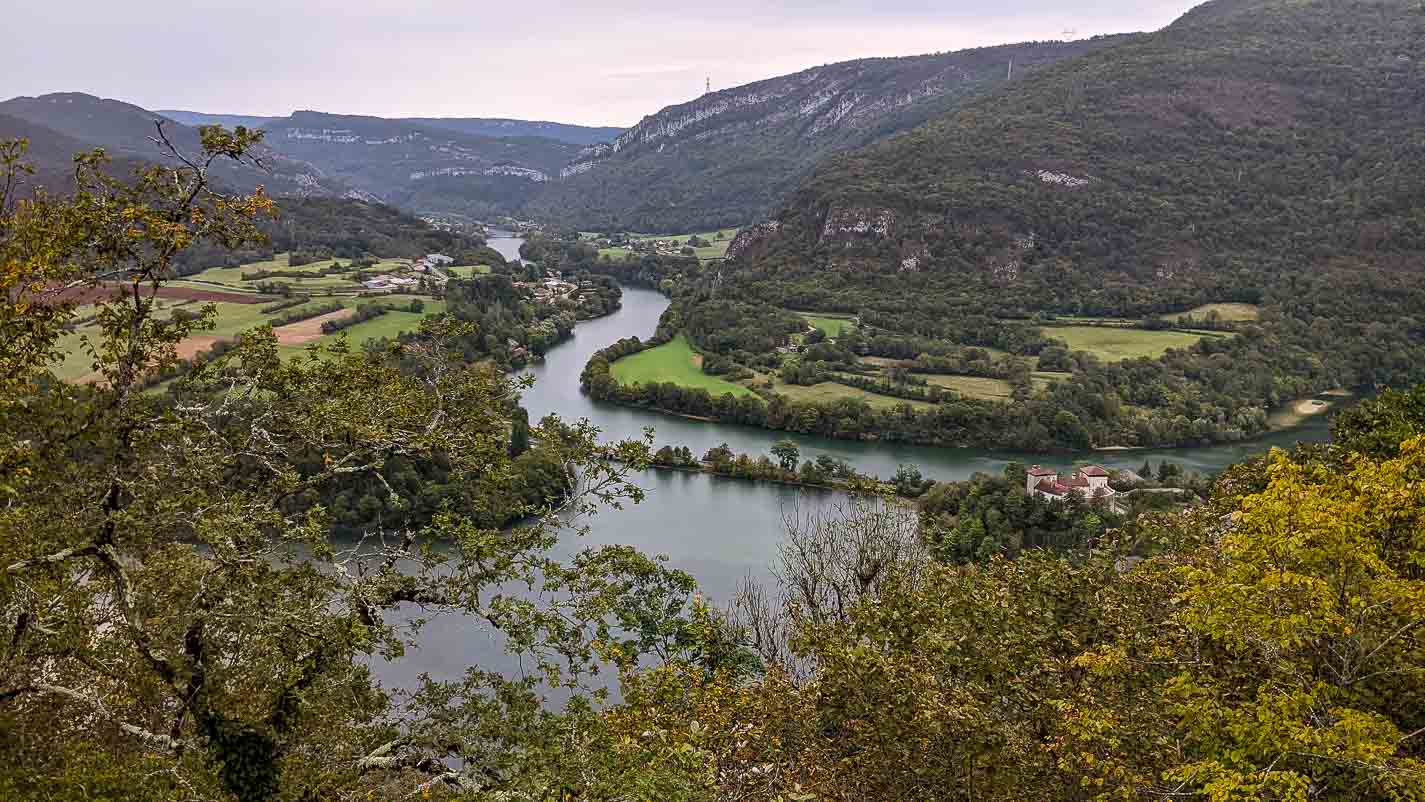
(125, 131)
(196, 118)
(733, 155)
(422, 168)
(1255, 152)
(1275, 137)
(51, 154)
(480, 126)
(581, 135)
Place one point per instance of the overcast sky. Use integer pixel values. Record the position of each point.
(608, 63)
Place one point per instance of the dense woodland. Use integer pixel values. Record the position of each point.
(195, 584)
(199, 621)
(1272, 195)
(329, 228)
(740, 160)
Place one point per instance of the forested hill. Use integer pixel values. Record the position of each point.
(345, 228)
(125, 131)
(733, 155)
(501, 127)
(422, 168)
(1252, 146)
(326, 226)
(481, 126)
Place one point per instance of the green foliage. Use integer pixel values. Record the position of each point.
(743, 160)
(188, 615)
(1211, 164)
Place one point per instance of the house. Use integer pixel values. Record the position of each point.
(1090, 481)
(439, 259)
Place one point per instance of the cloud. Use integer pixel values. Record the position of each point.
(607, 63)
(646, 72)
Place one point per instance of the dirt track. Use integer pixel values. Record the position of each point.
(309, 330)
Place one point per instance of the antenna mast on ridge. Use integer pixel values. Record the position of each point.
(709, 85)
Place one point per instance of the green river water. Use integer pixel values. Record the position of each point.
(723, 530)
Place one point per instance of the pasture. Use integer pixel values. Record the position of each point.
(830, 324)
(233, 319)
(675, 362)
(1114, 344)
(716, 249)
(827, 392)
(312, 281)
(974, 386)
(1230, 313)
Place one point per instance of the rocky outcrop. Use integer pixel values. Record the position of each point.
(823, 101)
(848, 225)
(738, 154)
(753, 239)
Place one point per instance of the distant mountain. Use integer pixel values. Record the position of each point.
(734, 155)
(419, 167)
(196, 118)
(126, 131)
(51, 154)
(479, 126)
(562, 132)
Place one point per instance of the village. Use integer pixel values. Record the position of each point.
(430, 273)
(430, 269)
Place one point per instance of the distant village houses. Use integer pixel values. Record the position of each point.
(386, 281)
(1090, 481)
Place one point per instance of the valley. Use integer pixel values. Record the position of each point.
(1023, 422)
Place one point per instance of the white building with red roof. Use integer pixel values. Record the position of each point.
(1090, 481)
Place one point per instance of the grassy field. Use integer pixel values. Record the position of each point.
(717, 250)
(232, 276)
(831, 325)
(467, 271)
(831, 391)
(233, 319)
(974, 387)
(1115, 344)
(675, 362)
(1232, 313)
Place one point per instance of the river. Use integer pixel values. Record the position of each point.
(723, 530)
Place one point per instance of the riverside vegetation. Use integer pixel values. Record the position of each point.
(196, 583)
(1053, 201)
(186, 621)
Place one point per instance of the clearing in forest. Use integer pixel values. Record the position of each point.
(1228, 313)
(675, 362)
(830, 325)
(1113, 344)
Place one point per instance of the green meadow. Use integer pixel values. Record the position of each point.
(676, 362)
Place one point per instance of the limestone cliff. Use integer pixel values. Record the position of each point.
(733, 155)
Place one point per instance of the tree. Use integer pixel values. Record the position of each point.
(788, 454)
(519, 432)
(719, 456)
(173, 596)
(908, 481)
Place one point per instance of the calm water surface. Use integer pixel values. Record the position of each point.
(722, 530)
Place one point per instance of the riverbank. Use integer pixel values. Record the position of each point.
(556, 391)
(1294, 413)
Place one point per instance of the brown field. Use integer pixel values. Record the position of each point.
(196, 344)
(309, 330)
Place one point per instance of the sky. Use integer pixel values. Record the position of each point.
(607, 63)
